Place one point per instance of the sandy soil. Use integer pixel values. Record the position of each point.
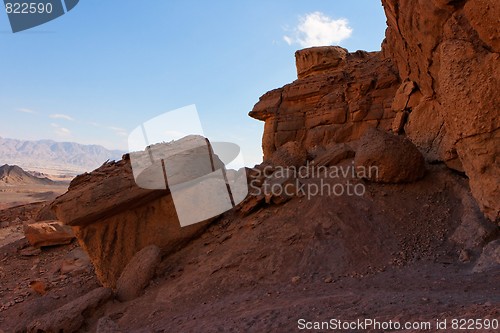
(11, 196)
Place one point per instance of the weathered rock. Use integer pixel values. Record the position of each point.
(138, 272)
(388, 158)
(251, 203)
(337, 97)
(107, 325)
(317, 60)
(39, 287)
(474, 230)
(280, 187)
(444, 98)
(113, 218)
(489, 259)
(48, 233)
(70, 317)
(30, 251)
(333, 154)
(75, 262)
(290, 154)
(455, 66)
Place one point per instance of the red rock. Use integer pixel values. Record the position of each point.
(394, 158)
(48, 233)
(317, 60)
(114, 219)
(39, 287)
(454, 62)
(138, 272)
(334, 100)
(333, 154)
(71, 316)
(290, 154)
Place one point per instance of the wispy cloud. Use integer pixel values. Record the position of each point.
(60, 131)
(27, 111)
(318, 29)
(119, 131)
(93, 123)
(61, 116)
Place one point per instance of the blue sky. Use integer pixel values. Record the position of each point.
(98, 72)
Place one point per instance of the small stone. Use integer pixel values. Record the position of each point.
(328, 279)
(296, 279)
(39, 287)
(30, 252)
(464, 256)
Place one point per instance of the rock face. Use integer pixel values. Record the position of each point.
(114, 219)
(447, 53)
(394, 159)
(436, 81)
(338, 96)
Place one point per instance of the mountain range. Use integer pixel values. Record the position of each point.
(63, 157)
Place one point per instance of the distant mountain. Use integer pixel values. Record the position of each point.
(14, 175)
(51, 155)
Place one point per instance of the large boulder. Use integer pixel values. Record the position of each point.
(387, 158)
(113, 218)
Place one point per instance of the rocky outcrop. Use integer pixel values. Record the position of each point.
(338, 96)
(113, 218)
(435, 81)
(447, 53)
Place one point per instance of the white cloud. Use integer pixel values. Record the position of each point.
(62, 132)
(61, 116)
(317, 29)
(26, 111)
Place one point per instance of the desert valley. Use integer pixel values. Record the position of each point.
(414, 246)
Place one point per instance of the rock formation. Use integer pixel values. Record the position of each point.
(447, 54)
(114, 219)
(337, 97)
(436, 81)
